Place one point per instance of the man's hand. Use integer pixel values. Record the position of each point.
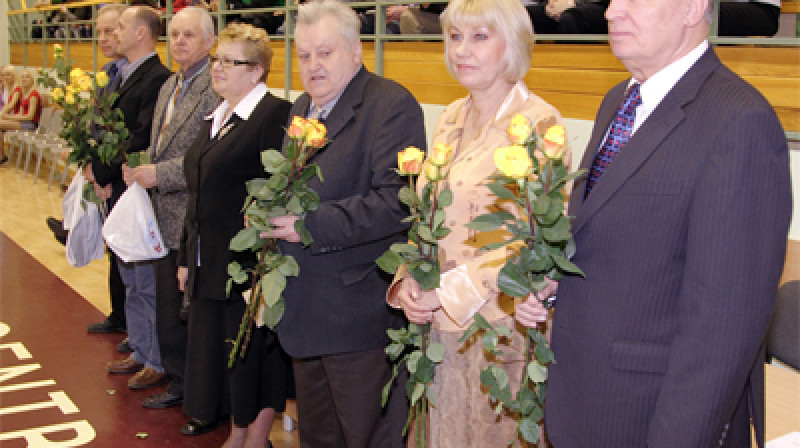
(530, 312)
(144, 174)
(283, 229)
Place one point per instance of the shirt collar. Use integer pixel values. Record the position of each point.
(243, 110)
(194, 70)
(328, 107)
(659, 85)
(127, 70)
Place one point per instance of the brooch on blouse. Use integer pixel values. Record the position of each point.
(224, 130)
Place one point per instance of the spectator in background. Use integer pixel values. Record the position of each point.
(569, 17)
(422, 19)
(266, 20)
(22, 110)
(749, 17)
(8, 79)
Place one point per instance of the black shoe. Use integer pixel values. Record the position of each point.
(4, 160)
(57, 227)
(104, 327)
(196, 427)
(162, 401)
(124, 346)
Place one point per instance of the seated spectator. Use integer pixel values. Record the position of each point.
(748, 17)
(269, 21)
(8, 78)
(569, 17)
(22, 110)
(422, 19)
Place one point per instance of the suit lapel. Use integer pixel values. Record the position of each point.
(186, 108)
(134, 77)
(224, 133)
(647, 139)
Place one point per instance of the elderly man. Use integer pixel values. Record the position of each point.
(680, 227)
(336, 316)
(136, 84)
(183, 102)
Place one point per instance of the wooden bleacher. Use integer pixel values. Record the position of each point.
(572, 77)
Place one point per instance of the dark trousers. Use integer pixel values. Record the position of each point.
(116, 290)
(339, 401)
(748, 19)
(172, 332)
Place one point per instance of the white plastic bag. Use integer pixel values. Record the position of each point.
(71, 208)
(85, 238)
(131, 230)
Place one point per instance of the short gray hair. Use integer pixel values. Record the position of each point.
(506, 17)
(206, 22)
(312, 12)
(115, 8)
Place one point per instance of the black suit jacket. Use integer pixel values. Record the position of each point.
(682, 241)
(337, 304)
(137, 100)
(216, 171)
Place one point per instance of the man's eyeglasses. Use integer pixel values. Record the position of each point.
(228, 62)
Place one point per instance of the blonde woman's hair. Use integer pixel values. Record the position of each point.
(256, 44)
(506, 17)
(10, 69)
(312, 12)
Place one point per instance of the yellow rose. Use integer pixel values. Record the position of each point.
(101, 78)
(519, 130)
(298, 127)
(57, 48)
(84, 83)
(75, 74)
(409, 161)
(69, 98)
(315, 134)
(513, 161)
(554, 142)
(441, 154)
(70, 90)
(433, 172)
(57, 93)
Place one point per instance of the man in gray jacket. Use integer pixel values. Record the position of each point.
(184, 100)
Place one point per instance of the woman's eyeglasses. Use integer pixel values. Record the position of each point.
(227, 62)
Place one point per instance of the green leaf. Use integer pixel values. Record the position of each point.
(246, 238)
(272, 285)
(529, 430)
(511, 282)
(536, 372)
(445, 197)
(388, 386)
(419, 388)
(273, 314)
(236, 272)
(435, 352)
(501, 191)
(567, 266)
(427, 280)
(294, 206)
(272, 160)
(558, 233)
(394, 350)
(438, 218)
(305, 236)
(412, 360)
(289, 267)
(489, 221)
(541, 205)
(390, 261)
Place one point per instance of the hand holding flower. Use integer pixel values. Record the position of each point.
(531, 312)
(418, 305)
(283, 229)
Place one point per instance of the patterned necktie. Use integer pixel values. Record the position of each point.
(170, 111)
(618, 136)
(114, 78)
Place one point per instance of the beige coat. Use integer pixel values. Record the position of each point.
(470, 283)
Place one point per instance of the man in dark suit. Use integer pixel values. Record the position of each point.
(137, 84)
(680, 228)
(183, 102)
(336, 315)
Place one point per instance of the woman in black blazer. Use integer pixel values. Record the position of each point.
(225, 156)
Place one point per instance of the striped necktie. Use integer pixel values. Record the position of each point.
(618, 136)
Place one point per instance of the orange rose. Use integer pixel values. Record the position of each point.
(315, 134)
(298, 127)
(409, 161)
(554, 142)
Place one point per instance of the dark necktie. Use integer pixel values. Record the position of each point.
(114, 78)
(618, 136)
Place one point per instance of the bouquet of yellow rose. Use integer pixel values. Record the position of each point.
(420, 258)
(531, 174)
(285, 192)
(91, 125)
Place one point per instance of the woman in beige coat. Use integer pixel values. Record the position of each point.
(488, 45)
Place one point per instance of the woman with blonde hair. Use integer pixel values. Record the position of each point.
(22, 110)
(488, 47)
(8, 78)
(227, 154)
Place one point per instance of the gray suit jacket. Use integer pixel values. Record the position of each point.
(337, 303)
(682, 242)
(169, 197)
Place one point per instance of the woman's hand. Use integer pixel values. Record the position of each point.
(183, 276)
(531, 312)
(418, 305)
